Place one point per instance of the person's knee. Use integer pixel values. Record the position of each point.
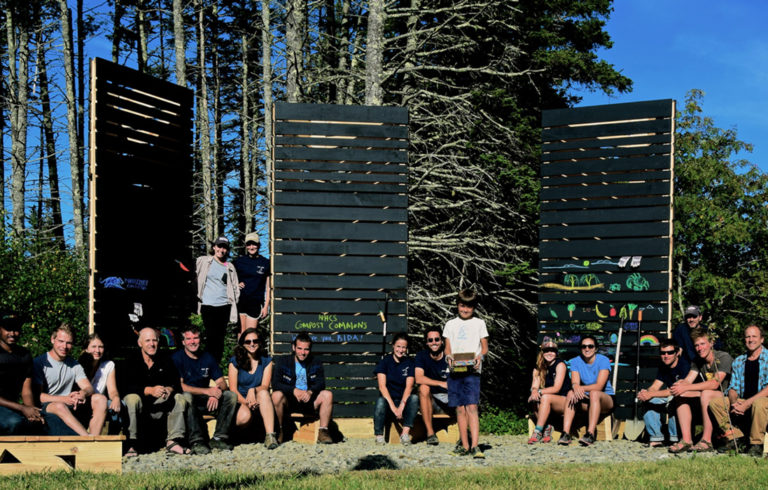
(180, 401)
(263, 396)
(229, 397)
(278, 398)
(461, 411)
(57, 408)
(98, 402)
(132, 401)
(325, 396)
(425, 392)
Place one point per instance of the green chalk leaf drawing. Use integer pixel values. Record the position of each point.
(615, 286)
(553, 313)
(637, 282)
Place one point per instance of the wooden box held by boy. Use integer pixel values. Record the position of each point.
(463, 362)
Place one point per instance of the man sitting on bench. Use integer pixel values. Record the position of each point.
(16, 373)
(298, 382)
(432, 377)
(55, 373)
(197, 368)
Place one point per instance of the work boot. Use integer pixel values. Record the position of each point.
(270, 441)
(323, 436)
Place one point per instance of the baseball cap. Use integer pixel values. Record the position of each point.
(693, 311)
(252, 237)
(222, 241)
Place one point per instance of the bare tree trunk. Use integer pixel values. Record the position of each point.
(266, 81)
(18, 49)
(49, 144)
(217, 172)
(409, 85)
(202, 129)
(80, 78)
(373, 53)
(343, 54)
(142, 46)
(179, 43)
(3, 102)
(245, 145)
(117, 30)
(294, 48)
(74, 162)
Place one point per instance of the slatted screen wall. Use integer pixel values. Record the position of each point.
(606, 178)
(141, 202)
(339, 228)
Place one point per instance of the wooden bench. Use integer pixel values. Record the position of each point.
(20, 454)
(445, 427)
(305, 427)
(605, 427)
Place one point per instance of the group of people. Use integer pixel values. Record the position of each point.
(695, 383)
(55, 394)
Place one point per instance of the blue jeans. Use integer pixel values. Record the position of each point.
(14, 423)
(655, 408)
(381, 411)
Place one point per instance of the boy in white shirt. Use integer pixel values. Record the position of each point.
(466, 334)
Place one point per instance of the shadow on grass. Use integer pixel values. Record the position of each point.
(375, 462)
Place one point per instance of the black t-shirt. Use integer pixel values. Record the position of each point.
(15, 367)
(437, 370)
(669, 376)
(397, 374)
(549, 380)
(751, 377)
(253, 272)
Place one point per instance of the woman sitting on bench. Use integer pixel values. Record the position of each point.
(591, 391)
(549, 388)
(100, 370)
(250, 372)
(395, 377)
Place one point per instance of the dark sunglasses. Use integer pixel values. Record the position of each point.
(587, 346)
(667, 352)
(251, 243)
(434, 339)
(549, 349)
(249, 342)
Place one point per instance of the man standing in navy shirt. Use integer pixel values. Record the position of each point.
(197, 368)
(431, 370)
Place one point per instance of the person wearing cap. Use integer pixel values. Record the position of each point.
(682, 333)
(253, 271)
(551, 384)
(217, 295)
(16, 373)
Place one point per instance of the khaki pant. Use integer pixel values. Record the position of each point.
(175, 410)
(758, 416)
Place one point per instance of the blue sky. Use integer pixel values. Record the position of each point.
(669, 47)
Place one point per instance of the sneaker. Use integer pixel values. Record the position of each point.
(756, 450)
(587, 439)
(270, 441)
(200, 448)
(459, 451)
(547, 435)
(221, 444)
(536, 437)
(565, 439)
(324, 437)
(477, 453)
(380, 439)
(405, 439)
(433, 440)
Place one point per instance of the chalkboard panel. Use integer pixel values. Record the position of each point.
(141, 194)
(605, 235)
(340, 231)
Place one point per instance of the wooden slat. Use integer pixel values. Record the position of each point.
(607, 112)
(616, 215)
(357, 395)
(602, 264)
(341, 199)
(602, 177)
(330, 112)
(334, 281)
(110, 117)
(378, 143)
(606, 203)
(328, 230)
(341, 177)
(123, 75)
(553, 232)
(549, 146)
(606, 165)
(395, 168)
(579, 248)
(356, 130)
(633, 297)
(314, 325)
(581, 154)
(334, 293)
(335, 265)
(340, 154)
(609, 129)
(336, 306)
(339, 187)
(612, 190)
(340, 213)
(350, 410)
(657, 328)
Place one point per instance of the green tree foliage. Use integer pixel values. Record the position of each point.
(47, 288)
(720, 226)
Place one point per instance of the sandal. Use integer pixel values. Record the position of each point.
(176, 448)
(655, 444)
(680, 447)
(703, 447)
(131, 453)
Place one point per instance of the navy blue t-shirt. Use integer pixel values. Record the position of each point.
(253, 272)
(397, 373)
(669, 375)
(196, 372)
(437, 370)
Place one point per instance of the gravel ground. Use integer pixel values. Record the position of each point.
(360, 454)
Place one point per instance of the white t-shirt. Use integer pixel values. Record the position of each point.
(99, 380)
(465, 335)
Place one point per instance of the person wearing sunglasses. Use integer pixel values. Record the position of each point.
(591, 390)
(249, 374)
(657, 397)
(431, 370)
(549, 388)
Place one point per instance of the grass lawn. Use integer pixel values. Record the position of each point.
(720, 472)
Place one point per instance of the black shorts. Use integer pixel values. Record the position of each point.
(253, 310)
(295, 406)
